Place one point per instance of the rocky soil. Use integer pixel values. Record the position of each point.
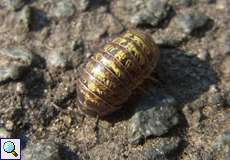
(185, 115)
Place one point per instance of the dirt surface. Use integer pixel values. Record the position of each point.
(194, 68)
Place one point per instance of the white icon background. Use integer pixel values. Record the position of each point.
(8, 156)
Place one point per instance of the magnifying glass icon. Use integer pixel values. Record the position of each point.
(9, 147)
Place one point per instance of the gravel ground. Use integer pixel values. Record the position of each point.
(186, 114)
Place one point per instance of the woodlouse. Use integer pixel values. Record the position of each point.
(108, 78)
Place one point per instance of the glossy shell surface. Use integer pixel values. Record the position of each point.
(109, 77)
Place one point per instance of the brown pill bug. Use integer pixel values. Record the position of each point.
(109, 77)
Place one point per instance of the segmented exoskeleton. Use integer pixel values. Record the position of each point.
(109, 77)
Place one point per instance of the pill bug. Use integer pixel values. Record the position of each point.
(109, 77)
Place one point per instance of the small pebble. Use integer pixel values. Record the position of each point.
(15, 4)
(190, 21)
(64, 9)
(169, 37)
(42, 150)
(17, 54)
(13, 63)
(25, 18)
(222, 4)
(197, 152)
(221, 144)
(153, 14)
(193, 117)
(224, 41)
(4, 133)
(185, 3)
(57, 59)
(225, 66)
(154, 116)
(10, 73)
(189, 3)
(9, 125)
(20, 88)
(203, 55)
(165, 148)
(83, 5)
(215, 98)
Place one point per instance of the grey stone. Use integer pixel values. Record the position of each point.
(169, 41)
(215, 98)
(169, 37)
(25, 18)
(165, 148)
(10, 73)
(64, 9)
(103, 24)
(4, 133)
(15, 4)
(13, 63)
(203, 55)
(190, 21)
(20, 88)
(222, 4)
(153, 14)
(9, 125)
(57, 59)
(224, 41)
(23, 56)
(222, 144)
(183, 2)
(42, 150)
(197, 152)
(192, 116)
(188, 3)
(83, 5)
(225, 66)
(154, 116)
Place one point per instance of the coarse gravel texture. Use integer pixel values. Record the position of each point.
(44, 43)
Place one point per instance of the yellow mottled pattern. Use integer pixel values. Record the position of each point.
(110, 64)
(88, 98)
(96, 72)
(128, 63)
(115, 70)
(94, 88)
(138, 41)
(109, 48)
(119, 40)
(120, 55)
(108, 83)
(98, 55)
(91, 85)
(99, 74)
(131, 49)
(135, 39)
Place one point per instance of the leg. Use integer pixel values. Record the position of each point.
(143, 90)
(153, 79)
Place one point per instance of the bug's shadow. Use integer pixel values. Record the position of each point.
(67, 153)
(183, 76)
